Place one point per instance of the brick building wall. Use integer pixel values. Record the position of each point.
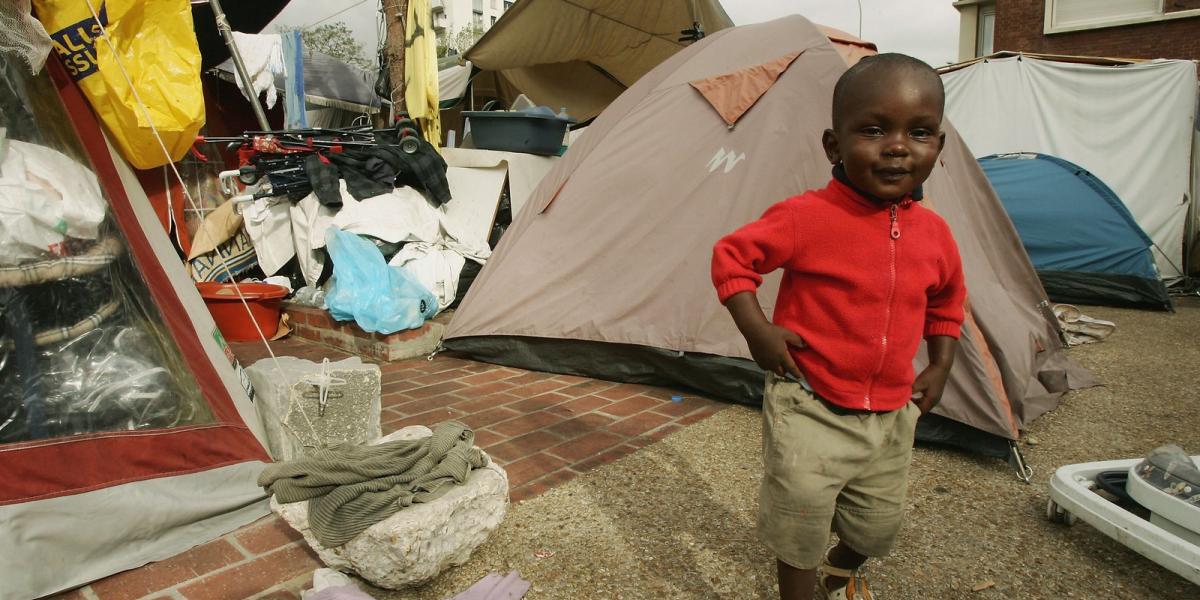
(1019, 26)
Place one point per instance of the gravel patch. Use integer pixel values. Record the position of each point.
(675, 519)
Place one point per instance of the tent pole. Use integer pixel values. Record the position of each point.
(244, 79)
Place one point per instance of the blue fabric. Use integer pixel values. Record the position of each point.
(1068, 219)
(293, 92)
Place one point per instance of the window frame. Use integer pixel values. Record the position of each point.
(985, 10)
(1049, 27)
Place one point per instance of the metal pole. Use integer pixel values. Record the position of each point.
(860, 19)
(223, 27)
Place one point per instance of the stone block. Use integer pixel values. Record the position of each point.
(414, 545)
(291, 409)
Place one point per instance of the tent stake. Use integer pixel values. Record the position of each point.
(1017, 461)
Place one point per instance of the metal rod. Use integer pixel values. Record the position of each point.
(227, 35)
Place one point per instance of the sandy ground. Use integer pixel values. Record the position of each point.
(675, 520)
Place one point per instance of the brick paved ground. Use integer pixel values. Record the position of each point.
(543, 429)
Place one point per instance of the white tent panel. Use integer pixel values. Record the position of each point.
(1130, 125)
(59, 543)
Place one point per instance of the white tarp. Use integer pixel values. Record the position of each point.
(1130, 125)
(525, 171)
(452, 82)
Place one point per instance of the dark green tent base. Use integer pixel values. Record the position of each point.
(1105, 289)
(734, 380)
(730, 379)
(936, 429)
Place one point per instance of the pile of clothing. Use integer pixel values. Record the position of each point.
(388, 186)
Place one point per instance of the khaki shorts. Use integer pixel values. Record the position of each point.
(844, 470)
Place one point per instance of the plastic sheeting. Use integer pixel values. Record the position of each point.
(45, 198)
(328, 82)
(1131, 126)
(452, 84)
(81, 347)
(135, 72)
(379, 298)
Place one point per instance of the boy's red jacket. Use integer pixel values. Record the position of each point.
(862, 283)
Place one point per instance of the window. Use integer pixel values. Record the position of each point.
(477, 6)
(1076, 15)
(493, 20)
(477, 20)
(84, 349)
(985, 35)
(507, 5)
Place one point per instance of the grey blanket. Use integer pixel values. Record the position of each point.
(351, 488)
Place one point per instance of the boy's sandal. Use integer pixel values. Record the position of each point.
(855, 588)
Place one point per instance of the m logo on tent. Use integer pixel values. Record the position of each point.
(730, 158)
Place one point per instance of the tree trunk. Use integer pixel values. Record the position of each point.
(395, 13)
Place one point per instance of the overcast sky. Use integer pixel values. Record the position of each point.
(927, 29)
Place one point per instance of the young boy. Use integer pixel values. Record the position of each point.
(867, 273)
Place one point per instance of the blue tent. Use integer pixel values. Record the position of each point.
(1082, 240)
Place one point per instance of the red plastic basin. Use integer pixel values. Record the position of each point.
(229, 313)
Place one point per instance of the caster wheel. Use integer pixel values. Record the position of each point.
(1057, 514)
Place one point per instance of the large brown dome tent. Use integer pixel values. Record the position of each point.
(604, 273)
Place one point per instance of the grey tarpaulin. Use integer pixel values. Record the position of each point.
(328, 82)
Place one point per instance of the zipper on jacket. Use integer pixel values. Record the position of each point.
(893, 235)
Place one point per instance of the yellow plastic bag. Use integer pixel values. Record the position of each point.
(155, 43)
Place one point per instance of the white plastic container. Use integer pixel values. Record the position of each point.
(1166, 511)
(1072, 497)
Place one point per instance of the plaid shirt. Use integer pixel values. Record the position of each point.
(374, 171)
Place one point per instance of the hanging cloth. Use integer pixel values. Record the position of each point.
(262, 54)
(294, 116)
(421, 72)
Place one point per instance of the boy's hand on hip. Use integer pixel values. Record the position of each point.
(768, 342)
(928, 387)
(769, 345)
(930, 384)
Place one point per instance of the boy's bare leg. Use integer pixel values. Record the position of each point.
(798, 584)
(795, 584)
(844, 558)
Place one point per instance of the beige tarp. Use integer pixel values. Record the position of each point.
(614, 246)
(582, 54)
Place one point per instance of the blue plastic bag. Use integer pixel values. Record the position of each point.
(381, 299)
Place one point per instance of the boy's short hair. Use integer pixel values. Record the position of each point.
(867, 72)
